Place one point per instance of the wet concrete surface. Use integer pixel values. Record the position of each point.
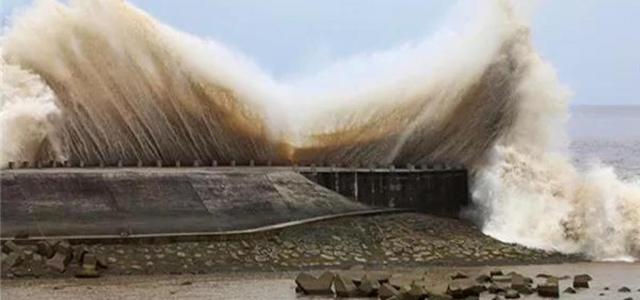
(135, 201)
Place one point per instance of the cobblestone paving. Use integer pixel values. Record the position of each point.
(400, 240)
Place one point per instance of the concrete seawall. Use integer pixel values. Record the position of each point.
(143, 201)
(440, 192)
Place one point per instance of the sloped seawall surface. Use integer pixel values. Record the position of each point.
(68, 202)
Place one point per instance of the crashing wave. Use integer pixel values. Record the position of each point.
(101, 81)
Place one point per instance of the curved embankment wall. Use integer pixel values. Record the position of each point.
(147, 201)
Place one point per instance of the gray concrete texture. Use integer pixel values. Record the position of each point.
(146, 201)
(62, 202)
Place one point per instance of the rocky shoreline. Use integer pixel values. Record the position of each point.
(494, 284)
(398, 240)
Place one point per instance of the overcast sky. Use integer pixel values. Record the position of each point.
(594, 44)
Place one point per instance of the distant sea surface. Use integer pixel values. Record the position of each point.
(608, 134)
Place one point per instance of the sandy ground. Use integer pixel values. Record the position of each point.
(280, 285)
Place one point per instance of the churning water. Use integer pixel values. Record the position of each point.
(101, 81)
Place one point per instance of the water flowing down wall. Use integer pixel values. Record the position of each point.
(101, 81)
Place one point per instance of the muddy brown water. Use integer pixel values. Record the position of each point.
(280, 285)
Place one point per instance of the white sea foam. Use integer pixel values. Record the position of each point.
(101, 81)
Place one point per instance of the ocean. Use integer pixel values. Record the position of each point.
(606, 134)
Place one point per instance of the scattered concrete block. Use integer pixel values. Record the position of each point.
(459, 275)
(37, 258)
(10, 247)
(79, 252)
(58, 262)
(462, 288)
(380, 277)
(368, 287)
(624, 289)
(569, 290)
(102, 262)
(315, 286)
(64, 247)
(512, 294)
(415, 292)
(344, 286)
(498, 287)
(500, 278)
(45, 249)
(61, 258)
(581, 281)
(521, 284)
(483, 278)
(53, 242)
(89, 266)
(386, 291)
(12, 260)
(549, 289)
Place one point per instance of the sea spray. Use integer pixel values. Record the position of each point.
(28, 115)
(115, 84)
(131, 89)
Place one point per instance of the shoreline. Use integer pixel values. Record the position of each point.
(608, 277)
(382, 241)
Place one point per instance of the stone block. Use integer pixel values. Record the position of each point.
(581, 281)
(483, 278)
(462, 288)
(512, 294)
(549, 289)
(500, 278)
(521, 284)
(59, 261)
(12, 260)
(459, 275)
(368, 287)
(498, 287)
(311, 285)
(10, 247)
(45, 249)
(387, 291)
(89, 266)
(344, 287)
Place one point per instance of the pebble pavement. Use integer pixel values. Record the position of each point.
(397, 240)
